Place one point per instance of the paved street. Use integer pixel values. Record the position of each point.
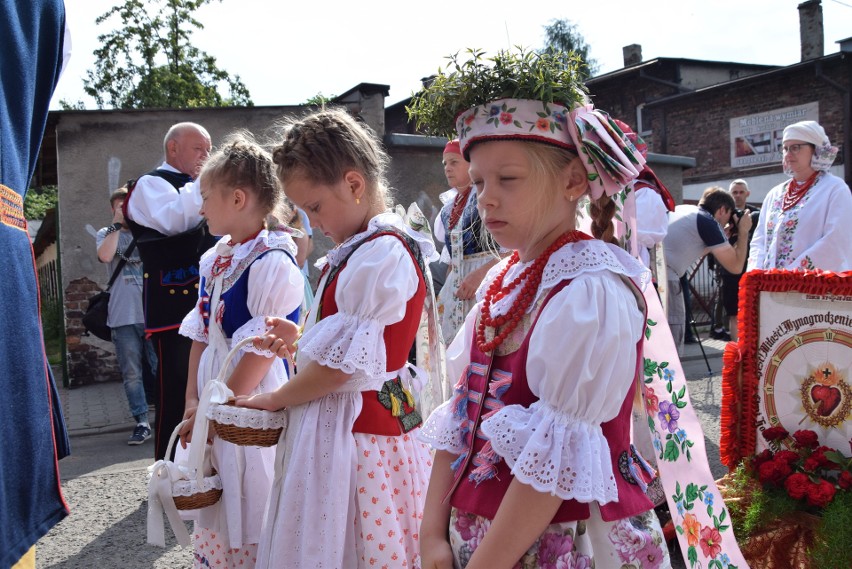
(104, 480)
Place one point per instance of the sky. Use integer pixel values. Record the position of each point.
(287, 52)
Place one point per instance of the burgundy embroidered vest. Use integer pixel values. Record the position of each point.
(376, 413)
(485, 477)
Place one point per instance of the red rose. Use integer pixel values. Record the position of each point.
(845, 480)
(775, 433)
(765, 456)
(505, 118)
(797, 485)
(806, 439)
(817, 459)
(787, 456)
(773, 472)
(821, 493)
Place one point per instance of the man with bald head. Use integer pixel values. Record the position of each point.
(162, 211)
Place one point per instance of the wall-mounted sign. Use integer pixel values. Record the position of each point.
(756, 139)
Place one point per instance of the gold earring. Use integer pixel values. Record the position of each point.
(357, 201)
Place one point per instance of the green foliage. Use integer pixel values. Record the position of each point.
(832, 547)
(52, 322)
(72, 106)
(563, 36)
(551, 76)
(320, 100)
(39, 200)
(149, 61)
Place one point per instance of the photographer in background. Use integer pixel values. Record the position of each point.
(695, 231)
(132, 349)
(730, 282)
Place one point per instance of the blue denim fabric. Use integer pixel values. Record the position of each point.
(130, 347)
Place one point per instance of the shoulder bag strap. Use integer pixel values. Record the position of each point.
(121, 264)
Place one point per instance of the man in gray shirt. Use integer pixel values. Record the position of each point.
(693, 232)
(125, 315)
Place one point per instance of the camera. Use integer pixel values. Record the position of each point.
(737, 214)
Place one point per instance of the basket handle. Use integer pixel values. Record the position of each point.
(215, 391)
(231, 355)
(160, 499)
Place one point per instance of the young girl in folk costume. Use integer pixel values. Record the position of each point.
(533, 463)
(467, 247)
(251, 274)
(350, 489)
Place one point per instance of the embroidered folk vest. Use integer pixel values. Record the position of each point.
(377, 413)
(169, 264)
(482, 477)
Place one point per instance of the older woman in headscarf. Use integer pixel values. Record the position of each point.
(804, 222)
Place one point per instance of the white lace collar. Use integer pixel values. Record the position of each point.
(380, 222)
(570, 261)
(265, 239)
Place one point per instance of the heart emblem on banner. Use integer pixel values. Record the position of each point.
(826, 398)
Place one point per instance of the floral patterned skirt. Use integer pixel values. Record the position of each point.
(629, 543)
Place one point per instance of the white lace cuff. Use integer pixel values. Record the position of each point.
(247, 418)
(193, 328)
(345, 342)
(254, 327)
(442, 431)
(553, 452)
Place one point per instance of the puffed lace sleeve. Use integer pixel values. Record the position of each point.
(371, 293)
(443, 429)
(581, 363)
(276, 287)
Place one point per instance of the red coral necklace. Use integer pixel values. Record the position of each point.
(458, 206)
(796, 191)
(531, 279)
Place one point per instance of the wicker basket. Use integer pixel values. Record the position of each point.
(265, 432)
(242, 425)
(186, 492)
(196, 499)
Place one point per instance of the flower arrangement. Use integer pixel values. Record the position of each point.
(794, 498)
(551, 76)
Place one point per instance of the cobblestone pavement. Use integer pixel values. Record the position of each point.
(104, 479)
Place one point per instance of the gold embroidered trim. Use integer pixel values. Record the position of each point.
(12, 209)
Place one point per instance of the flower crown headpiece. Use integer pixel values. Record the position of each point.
(537, 97)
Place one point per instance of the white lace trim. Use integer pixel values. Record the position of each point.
(442, 431)
(554, 452)
(256, 326)
(345, 342)
(183, 481)
(379, 223)
(264, 239)
(247, 418)
(190, 487)
(569, 262)
(192, 332)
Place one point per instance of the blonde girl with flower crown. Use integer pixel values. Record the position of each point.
(533, 463)
(250, 275)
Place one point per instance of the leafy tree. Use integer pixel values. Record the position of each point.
(39, 200)
(150, 63)
(562, 35)
(320, 100)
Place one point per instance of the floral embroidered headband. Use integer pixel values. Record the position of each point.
(536, 97)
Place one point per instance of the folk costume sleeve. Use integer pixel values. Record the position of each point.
(154, 203)
(275, 288)
(556, 445)
(371, 293)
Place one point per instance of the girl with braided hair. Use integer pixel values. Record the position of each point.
(533, 464)
(351, 477)
(250, 275)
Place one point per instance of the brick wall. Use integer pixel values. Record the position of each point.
(92, 360)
